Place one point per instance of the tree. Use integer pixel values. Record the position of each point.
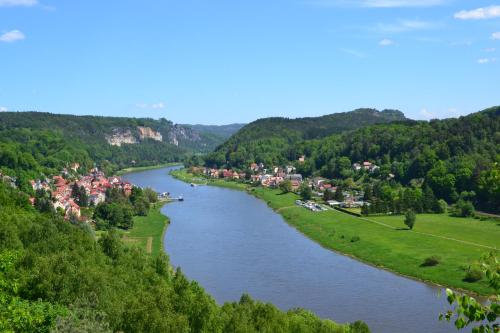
(80, 195)
(469, 312)
(339, 195)
(285, 186)
(463, 209)
(441, 207)
(365, 210)
(410, 219)
(328, 195)
(151, 195)
(305, 191)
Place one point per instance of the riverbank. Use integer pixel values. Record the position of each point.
(145, 168)
(384, 242)
(148, 231)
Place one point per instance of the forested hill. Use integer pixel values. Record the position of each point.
(456, 158)
(220, 131)
(315, 127)
(98, 130)
(279, 132)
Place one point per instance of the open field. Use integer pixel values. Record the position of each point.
(138, 169)
(147, 232)
(183, 175)
(385, 242)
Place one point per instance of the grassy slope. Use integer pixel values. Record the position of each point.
(138, 169)
(401, 251)
(152, 225)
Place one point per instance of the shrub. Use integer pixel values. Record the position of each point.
(473, 275)
(463, 209)
(355, 239)
(359, 327)
(410, 219)
(441, 206)
(431, 261)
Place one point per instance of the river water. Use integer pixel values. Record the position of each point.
(233, 243)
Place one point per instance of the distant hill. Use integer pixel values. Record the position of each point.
(315, 127)
(115, 130)
(258, 139)
(221, 131)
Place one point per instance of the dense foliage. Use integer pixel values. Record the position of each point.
(92, 130)
(267, 140)
(55, 276)
(453, 158)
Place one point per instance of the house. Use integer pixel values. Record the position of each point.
(295, 176)
(290, 169)
(227, 173)
(295, 185)
(72, 209)
(318, 182)
(96, 197)
(302, 159)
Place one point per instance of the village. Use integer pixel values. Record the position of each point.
(272, 177)
(61, 189)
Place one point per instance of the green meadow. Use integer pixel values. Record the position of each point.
(147, 232)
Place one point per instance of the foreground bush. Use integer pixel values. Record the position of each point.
(54, 276)
(473, 275)
(430, 261)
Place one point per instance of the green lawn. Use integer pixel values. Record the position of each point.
(385, 242)
(148, 229)
(144, 168)
(183, 175)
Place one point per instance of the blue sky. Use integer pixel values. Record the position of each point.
(218, 62)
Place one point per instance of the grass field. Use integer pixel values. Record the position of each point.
(147, 232)
(385, 242)
(183, 175)
(138, 169)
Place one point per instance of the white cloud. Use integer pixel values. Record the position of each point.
(426, 114)
(380, 3)
(12, 36)
(352, 52)
(159, 105)
(489, 49)
(13, 3)
(495, 35)
(3, 109)
(385, 42)
(401, 3)
(479, 13)
(483, 61)
(405, 25)
(156, 106)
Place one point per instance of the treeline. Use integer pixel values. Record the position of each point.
(450, 156)
(267, 140)
(55, 277)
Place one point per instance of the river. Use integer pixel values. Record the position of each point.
(233, 243)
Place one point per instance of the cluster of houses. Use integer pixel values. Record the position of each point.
(95, 184)
(368, 166)
(274, 176)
